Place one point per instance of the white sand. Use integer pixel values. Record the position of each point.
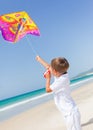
(47, 117)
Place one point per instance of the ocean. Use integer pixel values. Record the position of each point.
(14, 105)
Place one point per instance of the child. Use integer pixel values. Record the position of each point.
(60, 87)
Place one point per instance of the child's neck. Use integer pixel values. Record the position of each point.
(60, 74)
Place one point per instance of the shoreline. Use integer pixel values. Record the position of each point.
(46, 116)
(14, 109)
(72, 86)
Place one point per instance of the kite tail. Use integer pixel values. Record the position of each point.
(30, 44)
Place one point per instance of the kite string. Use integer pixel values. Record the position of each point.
(30, 44)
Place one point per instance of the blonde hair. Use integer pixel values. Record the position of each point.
(60, 64)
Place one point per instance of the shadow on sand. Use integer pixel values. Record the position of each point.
(88, 123)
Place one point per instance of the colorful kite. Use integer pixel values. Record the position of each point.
(15, 26)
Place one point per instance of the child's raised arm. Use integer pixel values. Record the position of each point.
(44, 63)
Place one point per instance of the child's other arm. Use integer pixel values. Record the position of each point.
(48, 79)
(44, 63)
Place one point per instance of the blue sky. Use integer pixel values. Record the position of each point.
(66, 28)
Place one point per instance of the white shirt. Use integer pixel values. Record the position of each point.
(61, 90)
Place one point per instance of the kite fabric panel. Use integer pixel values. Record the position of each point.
(15, 26)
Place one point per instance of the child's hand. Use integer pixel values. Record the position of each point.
(47, 74)
(38, 58)
(43, 62)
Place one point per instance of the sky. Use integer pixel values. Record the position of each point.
(66, 30)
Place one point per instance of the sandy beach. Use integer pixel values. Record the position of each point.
(47, 117)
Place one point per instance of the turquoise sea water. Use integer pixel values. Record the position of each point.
(36, 93)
